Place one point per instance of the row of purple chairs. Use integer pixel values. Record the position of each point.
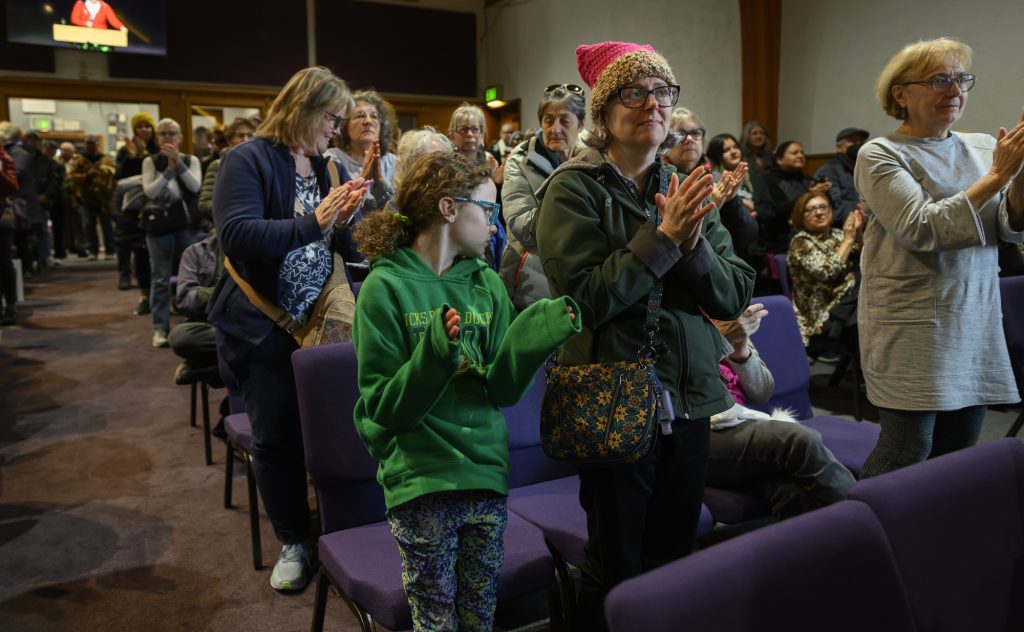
(934, 547)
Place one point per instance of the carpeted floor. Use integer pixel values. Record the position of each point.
(109, 518)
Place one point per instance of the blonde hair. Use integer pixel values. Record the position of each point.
(914, 59)
(298, 108)
(431, 177)
(465, 111)
(681, 114)
(413, 144)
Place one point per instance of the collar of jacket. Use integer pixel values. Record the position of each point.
(596, 165)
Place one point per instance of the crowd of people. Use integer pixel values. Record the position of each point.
(477, 262)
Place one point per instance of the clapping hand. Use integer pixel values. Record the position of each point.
(738, 332)
(371, 163)
(853, 224)
(683, 209)
(341, 203)
(726, 188)
(1008, 156)
(171, 152)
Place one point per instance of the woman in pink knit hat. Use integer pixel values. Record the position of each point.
(616, 228)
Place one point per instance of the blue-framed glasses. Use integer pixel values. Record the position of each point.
(493, 208)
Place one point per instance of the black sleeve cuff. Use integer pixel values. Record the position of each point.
(698, 262)
(658, 252)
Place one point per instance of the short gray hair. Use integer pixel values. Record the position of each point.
(169, 122)
(415, 143)
(9, 132)
(465, 111)
(563, 98)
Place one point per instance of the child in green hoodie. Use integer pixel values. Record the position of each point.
(440, 350)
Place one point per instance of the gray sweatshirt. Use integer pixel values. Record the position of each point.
(929, 313)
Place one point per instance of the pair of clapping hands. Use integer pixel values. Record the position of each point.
(738, 332)
(341, 203)
(683, 209)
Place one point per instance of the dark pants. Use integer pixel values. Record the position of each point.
(128, 255)
(265, 377)
(911, 436)
(8, 281)
(641, 516)
(93, 215)
(195, 342)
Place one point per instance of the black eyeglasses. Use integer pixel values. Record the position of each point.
(336, 121)
(942, 83)
(636, 97)
(469, 130)
(493, 208)
(695, 134)
(568, 87)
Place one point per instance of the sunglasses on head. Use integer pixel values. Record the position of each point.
(568, 87)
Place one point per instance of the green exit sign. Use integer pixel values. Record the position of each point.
(491, 93)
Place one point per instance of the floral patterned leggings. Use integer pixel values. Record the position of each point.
(452, 552)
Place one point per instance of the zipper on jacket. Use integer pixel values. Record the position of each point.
(684, 366)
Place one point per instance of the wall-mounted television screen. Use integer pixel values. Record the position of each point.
(129, 26)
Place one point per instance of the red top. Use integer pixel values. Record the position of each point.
(105, 17)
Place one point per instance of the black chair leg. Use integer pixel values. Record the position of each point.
(192, 420)
(1015, 428)
(229, 473)
(254, 516)
(206, 424)
(320, 603)
(837, 375)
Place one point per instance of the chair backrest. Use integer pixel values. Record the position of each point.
(529, 464)
(344, 474)
(1011, 294)
(782, 349)
(956, 525)
(782, 266)
(236, 403)
(830, 569)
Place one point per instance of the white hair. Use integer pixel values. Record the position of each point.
(415, 143)
(169, 122)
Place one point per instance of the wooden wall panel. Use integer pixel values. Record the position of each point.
(761, 34)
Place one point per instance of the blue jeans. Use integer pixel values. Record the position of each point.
(911, 436)
(161, 261)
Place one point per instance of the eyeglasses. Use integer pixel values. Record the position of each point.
(695, 134)
(635, 97)
(942, 83)
(568, 87)
(336, 121)
(493, 208)
(467, 130)
(818, 208)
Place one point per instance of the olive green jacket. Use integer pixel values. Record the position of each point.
(598, 245)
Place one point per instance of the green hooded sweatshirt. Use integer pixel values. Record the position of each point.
(429, 406)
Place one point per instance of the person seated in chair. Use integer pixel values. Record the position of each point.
(772, 456)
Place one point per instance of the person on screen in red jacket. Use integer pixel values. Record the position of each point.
(95, 14)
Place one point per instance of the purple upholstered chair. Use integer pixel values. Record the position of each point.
(830, 569)
(1011, 293)
(358, 554)
(238, 439)
(546, 493)
(956, 525)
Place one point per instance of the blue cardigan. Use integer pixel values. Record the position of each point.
(253, 210)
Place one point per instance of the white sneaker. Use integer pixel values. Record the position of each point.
(160, 339)
(292, 569)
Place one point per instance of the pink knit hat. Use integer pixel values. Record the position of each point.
(608, 66)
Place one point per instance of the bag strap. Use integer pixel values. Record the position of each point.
(271, 311)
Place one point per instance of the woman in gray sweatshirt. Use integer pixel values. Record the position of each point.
(936, 202)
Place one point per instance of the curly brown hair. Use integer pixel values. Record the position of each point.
(429, 178)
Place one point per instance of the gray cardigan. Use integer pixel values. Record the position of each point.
(929, 314)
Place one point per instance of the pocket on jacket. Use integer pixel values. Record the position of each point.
(901, 300)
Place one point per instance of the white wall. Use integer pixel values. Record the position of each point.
(832, 53)
(530, 45)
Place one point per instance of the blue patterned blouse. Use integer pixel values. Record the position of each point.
(306, 269)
